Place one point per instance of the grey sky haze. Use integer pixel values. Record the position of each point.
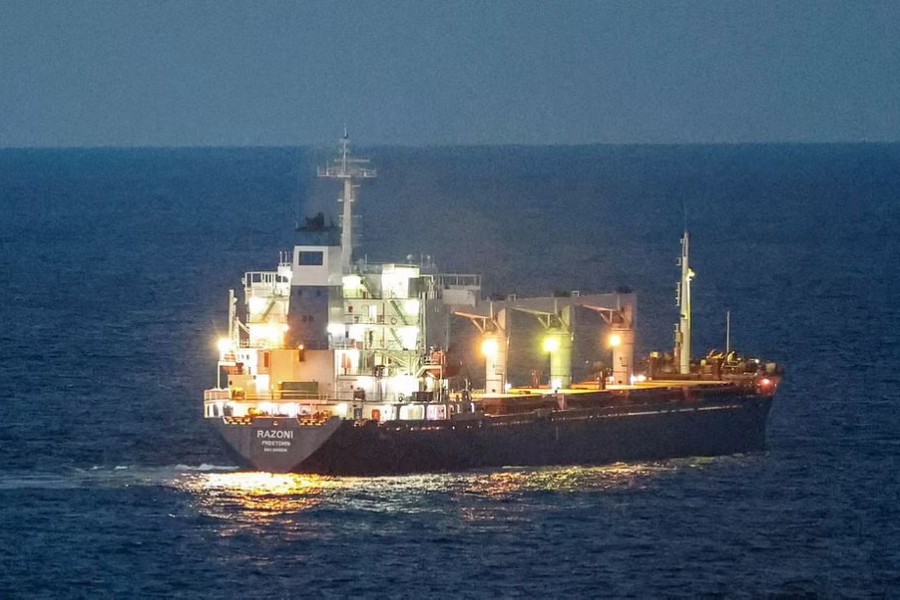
(167, 72)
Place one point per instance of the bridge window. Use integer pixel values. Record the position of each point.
(308, 259)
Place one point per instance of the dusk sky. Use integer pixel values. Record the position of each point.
(196, 73)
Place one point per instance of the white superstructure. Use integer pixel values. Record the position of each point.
(325, 334)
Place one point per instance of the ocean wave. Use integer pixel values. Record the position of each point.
(104, 475)
(205, 467)
(37, 482)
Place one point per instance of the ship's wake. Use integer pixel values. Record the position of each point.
(106, 476)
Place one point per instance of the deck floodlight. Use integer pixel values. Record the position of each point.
(489, 347)
(551, 343)
(224, 345)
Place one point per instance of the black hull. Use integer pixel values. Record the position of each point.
(581, 436)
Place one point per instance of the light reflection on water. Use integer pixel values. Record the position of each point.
(243, 499)
(256, 498)
(610, 478)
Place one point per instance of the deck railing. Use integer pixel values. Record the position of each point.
(302, 397)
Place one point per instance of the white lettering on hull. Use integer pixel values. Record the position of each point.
(275, 434)
(275, 440)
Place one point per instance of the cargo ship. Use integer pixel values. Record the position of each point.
(333, 365)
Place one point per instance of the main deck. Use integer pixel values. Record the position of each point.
(312, 409)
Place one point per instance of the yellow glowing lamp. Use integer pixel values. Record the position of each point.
(224, 345)
(615, 340)
(274, 333)
(489, 347)
(551, 343)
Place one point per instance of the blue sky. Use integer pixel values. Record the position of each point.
(197, 73)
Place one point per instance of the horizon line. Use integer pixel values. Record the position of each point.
(446, 145)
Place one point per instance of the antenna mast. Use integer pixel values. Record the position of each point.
(347, 169)
(683, 331)
(727, 332)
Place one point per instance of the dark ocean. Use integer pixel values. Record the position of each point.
(115, 267)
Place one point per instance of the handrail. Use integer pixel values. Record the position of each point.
(298, 396)
(215, 394)
(286, 396)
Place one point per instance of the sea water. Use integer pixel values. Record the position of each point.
(115, 267)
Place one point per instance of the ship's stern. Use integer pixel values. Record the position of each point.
(273, 444)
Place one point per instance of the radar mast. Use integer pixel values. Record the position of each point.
(349, 170)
